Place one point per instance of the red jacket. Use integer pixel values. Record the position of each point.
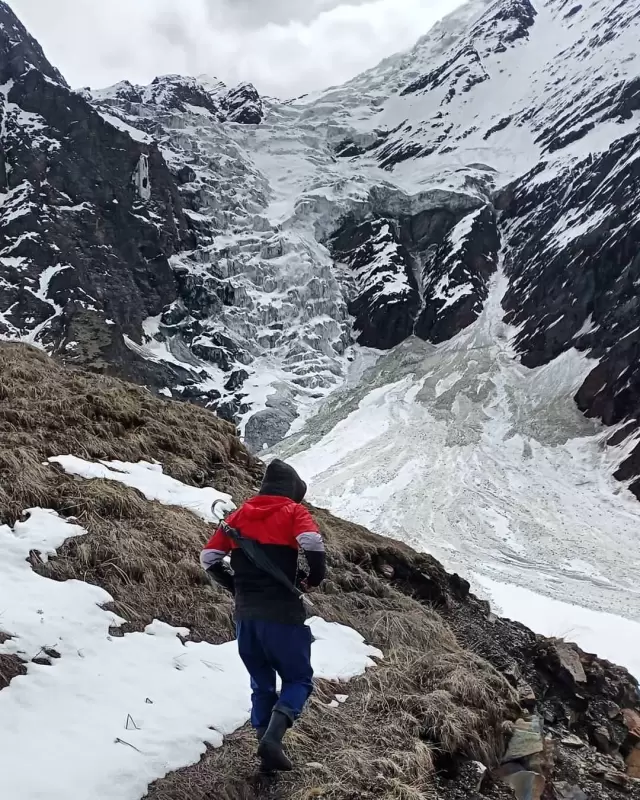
(282, 527)
(268, 520)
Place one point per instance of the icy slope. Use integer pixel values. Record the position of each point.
(495, 86)
(260, 319)
(462, 452)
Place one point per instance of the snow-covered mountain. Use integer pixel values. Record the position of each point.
(241, 252)
(422, 288)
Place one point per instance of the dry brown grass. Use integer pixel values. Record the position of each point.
(140, 552)
(10, 667)
(428, 702)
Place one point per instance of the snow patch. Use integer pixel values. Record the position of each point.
(112, 714)
(150, 480)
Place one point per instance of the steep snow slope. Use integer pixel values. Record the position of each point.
(496, 85)
(462, 452)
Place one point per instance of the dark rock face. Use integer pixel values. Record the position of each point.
(460, 73)
(90, 216)
(457, 275)
(385, 293)
(454, 254)
(244, 105)
(504, 23)
(575, 272)
(20, 52)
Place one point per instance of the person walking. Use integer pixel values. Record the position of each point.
(264, 537)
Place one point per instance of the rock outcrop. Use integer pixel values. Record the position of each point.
(90, 218)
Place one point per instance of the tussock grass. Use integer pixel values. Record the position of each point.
(143, 553)
(428, 703)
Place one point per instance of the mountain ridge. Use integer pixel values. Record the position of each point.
(271, 250)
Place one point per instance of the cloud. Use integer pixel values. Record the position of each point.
(285, 47)
(256, 13)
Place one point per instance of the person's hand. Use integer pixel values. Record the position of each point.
(303, 585)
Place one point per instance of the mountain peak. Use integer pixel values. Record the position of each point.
(19, 51)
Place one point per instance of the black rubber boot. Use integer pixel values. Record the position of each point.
(270, 749)
(260, 732)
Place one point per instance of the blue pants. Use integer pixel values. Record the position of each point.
(267, 648)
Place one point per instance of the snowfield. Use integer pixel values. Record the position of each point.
(114, 713)
(462, 452)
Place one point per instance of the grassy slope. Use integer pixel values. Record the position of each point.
(433, 702)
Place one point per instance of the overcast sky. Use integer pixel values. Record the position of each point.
(285, 47)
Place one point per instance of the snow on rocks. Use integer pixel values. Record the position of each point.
(113, 713)
(612, 637)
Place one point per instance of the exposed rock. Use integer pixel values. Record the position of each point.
(632, 721)
(385, 296)
(20, 52)
(387, 570)
(526, 695)
(617, 779)
(243, 104)
(573, 741)
(570, 661)
(481, 772)
(613, 709)
(267, 427)
(526, 785)
(78, 234)
(633, 763)
(565, 791)
(526, 739)
(455, 253)
(602, 739)
(10, 667)
(236, 379)
(456, 276)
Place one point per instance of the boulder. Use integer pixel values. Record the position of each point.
(526, 740)
(570, 661)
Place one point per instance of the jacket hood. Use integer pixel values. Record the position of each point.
(260, 507)
(281, 480)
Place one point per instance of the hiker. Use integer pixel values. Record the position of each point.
(270, 615)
